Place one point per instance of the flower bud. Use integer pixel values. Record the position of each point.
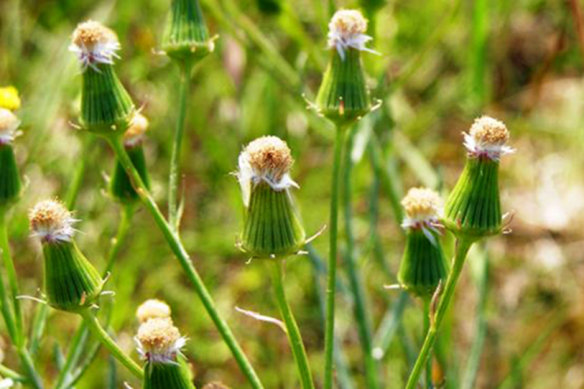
(71, 281)
(186, 36)
(159, 344)
(120, 185)
(9, 98)
(423, 264)
(153, 309)
(106, 106)
(10, 184)
(343, 96)
(272, 227)
(473, 209)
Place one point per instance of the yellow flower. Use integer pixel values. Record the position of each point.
(9, 98)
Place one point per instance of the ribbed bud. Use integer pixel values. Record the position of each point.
(106, 106)
(423, 263)
(120, 185)
(159, 344)
(153, 309)
(10, 184)
(343, 96)
(473, 209)
(272, 227)
(9, 98)
(186, 36)
(71, 281)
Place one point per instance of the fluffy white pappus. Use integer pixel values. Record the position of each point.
(347, 30)
(493, 151)
(51, 222)
(487, 138)
(166, 355)
(429, 226)
(9, 124)
(94, 44)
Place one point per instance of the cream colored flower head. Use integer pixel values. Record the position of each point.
(135, 133)
(93, 43)
(159, 340)
(8, 126)
(487, 138)
(153, 309)
(51, 222)
(423, 208)
(347, 30)
(266, 159)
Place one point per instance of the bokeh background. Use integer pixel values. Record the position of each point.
(518, 318)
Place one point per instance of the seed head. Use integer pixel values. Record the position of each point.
(159, 340)
(8, 125)
(94, 43)
(423, 209)
(135, 133)
(347, 30)
(153, 309)
(265, 159)
(487, 137)
(51, 221)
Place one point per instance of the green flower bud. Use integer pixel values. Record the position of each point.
(120, 185)
(186, 36)
(473, 209)
(71, 281)
(343, 96)
(10, 184)
(159, 344)
(423, 264)
(106, 106)
(272, 228)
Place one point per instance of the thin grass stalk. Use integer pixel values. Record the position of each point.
(294, 336)
(332, 262)
(355, 281)
(109, 343)
(426, 322)
(478, 52)
(461, 251)
(179, 251)
(389, 326)
(74, 353)
(174, 177)
(28, 365)
(474, 358)
(9, 373)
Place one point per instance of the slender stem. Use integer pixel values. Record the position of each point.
(332, 263)
(426, 321)
(28, 365)
(355, 281)
(109, 343)
(79, 172)
(174, 179)
(462, 248)
(120, 238)
(9, 373)
(73, 354)
(294, 336)
(12, 279)
(179, 251)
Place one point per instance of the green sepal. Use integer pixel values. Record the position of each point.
(167, 375)
(423, 264)
(71, 281)
(120, 185)
(272, 228)
(473, 209)
(10, 184)
(186, 36)
(343, 96)
(106, 106)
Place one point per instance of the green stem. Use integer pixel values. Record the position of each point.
(426, 321)
(109, 343)
(293, 332)
(73, 354)
(173, 209)
(462, 248)
(120, 238)
(87, 150)
(12, 279)
(28, 365)
(355, 281)
(332, 263)
(179, 251)
(9, 373)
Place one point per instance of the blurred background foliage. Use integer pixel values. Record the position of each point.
(443, 63)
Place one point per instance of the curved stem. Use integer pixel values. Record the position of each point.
(355, 281)
(109, 343)
(173, 209)
(12, 279)
(294, 336)
(462, 248)
(179, 251)
(332, 263)
(426, 321)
